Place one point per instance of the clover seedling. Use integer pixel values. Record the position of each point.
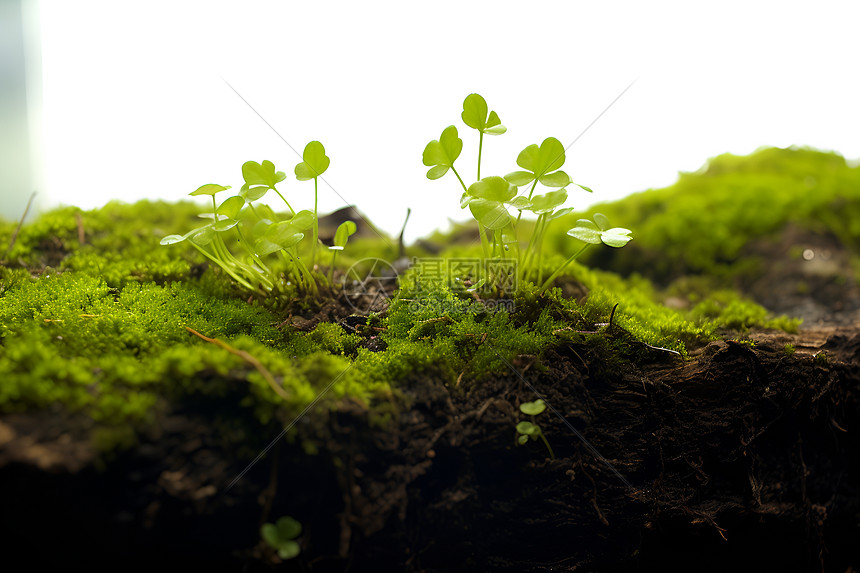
(281, 535)
(592, 233)
(529, 430)
(314, 164)
(490, 198)
(341, 236)
(267, 235)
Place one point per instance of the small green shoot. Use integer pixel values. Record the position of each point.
(820, 357)
(281, 536)
(529, 430)
(491, 199)
(341, 236)
(315, 162)
(789, 349)
(260, 232)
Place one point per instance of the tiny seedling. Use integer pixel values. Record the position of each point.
(529, 430)
(281, 536)
(491, 199)
(260, 232)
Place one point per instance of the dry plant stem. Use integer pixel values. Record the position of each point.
(20, 224)
(247, 358)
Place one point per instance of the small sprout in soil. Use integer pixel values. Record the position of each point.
(820, 357)
(491, 198)
(529, 430)
(261, 233)
(789, 349)
(281, 536)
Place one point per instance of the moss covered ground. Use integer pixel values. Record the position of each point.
(97, 317)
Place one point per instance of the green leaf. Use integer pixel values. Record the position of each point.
(288, 528)
(225, 225)
(315, 162)
(559, 213)
(344, 230)
(616, 237)
(442, 153)
(171, 240)
(202, 236)
(586, 231)
(528, 429)
(231, 207)
(522, 439)
(533, 408)
(548, 201)
(288, 550)
(583, 187)
(557, 179)
(521, 202)
(265, 247)
(544, 159)
(261, 174)
(303, 220)
(209, 189)
(475, 116)
(269, 533)
(520, 178)
(490, 214)
(602, 221)
(494, 188)
(252, 193)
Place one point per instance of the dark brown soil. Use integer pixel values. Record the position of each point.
(742, 457)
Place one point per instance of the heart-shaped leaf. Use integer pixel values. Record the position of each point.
(540, 163)
(280, 536)
(171, 240)
(533, 408)
(230, 208)
(528, 429)
(475, 116)
(596, 232)
(557, 179)
(441, 154)
(490, 214)
(616, 237)
(521, 202)
(586, 231)
(202, 236)
(288, 550)
(261, 174)
(548, 201)
(265, 246)
(494, 188)
(303, 220)
(344, 230)
(315, 162)
(209, 189)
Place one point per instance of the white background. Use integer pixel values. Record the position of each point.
(136, 104)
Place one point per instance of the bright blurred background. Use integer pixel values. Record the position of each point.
(105, 100)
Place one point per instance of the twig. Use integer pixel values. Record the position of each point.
(247, 358)
(18, 228)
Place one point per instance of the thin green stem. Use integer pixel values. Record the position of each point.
(531, 192)
(546, 443)
(485, 244)
(251, 252)
(226, 269)
(480, 148)
(331, 270)
(460, 179)
(560, 269)
(316, 226)
(285, 201)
